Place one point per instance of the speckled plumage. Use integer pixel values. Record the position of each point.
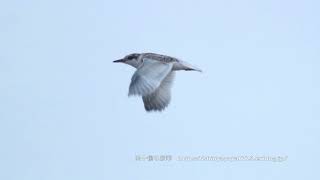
(159, 57)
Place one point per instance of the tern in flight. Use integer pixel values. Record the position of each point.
(153, 77)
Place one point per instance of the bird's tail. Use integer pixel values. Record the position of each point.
(188, 67)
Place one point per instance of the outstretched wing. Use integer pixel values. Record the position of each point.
(159, 99)
(148, 77)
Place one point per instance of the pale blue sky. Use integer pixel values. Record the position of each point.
(65, 114)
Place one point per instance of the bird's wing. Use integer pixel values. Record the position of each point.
(159, 99)
(148, 77)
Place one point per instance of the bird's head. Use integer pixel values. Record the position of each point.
(131, 59)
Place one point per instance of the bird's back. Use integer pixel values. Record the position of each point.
(159, 57)
(177, 64)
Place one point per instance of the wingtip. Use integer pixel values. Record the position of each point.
(193, 69)
(154, 110)
(199, 70)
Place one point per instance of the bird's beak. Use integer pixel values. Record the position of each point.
(119, 61)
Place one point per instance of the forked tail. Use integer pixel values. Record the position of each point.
(182, 65)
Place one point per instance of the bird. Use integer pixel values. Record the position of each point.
(154, 77)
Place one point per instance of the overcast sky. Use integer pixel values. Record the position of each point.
(65, 113)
